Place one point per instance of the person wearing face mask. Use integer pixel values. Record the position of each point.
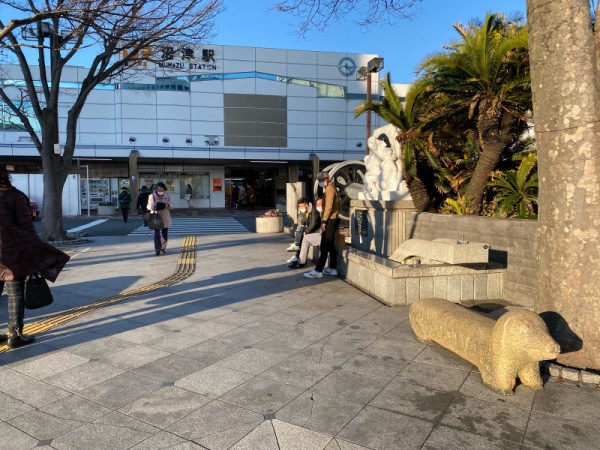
(330, 222)
(160, 202)
(311, 236)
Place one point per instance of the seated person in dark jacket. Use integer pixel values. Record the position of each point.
(311, 235)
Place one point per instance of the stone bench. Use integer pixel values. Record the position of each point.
(393, 283)
(442, 250)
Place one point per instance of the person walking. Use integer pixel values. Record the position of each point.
(188, 195)
(252, 200)
(124, 201)
(330, 223)
(142, 203)
(160, 203)
(22, 253)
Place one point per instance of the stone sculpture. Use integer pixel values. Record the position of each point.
(383, 165)
(503, 350)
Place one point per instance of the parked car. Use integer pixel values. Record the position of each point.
(33, 210)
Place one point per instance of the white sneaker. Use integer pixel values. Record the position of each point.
(332, 272)
(292, 259)
(291, 248)
(313, 274)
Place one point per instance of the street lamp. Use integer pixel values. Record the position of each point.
(33, 33)
(211, 140)
(364, 73)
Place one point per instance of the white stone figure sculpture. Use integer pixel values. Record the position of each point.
(383, 180)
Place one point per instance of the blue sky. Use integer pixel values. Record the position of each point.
(403, 45)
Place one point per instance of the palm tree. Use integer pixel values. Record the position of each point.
(517, 190)
(484, 77)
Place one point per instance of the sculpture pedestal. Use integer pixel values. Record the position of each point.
(377, 227)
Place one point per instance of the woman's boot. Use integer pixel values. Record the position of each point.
(17, 339)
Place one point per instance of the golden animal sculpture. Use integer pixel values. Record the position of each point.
(503, 350)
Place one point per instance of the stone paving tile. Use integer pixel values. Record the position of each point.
(52, 364)
(178, 323)
(268, 325)
(25, 354)
(374, 364)
(549, 431)
(319, 412)
(10, 407)
(83, 376)
(353, 386)
(474, 387)
(170, 368)
(213, 381)
(285, 344)
(340, 444)
(486, 418)
(115, 432)
(569, 402)
(262, 395)
(12, 438)
(60, 417)
(121, 390)
(403, 332)
(378, 429)
(353, 310)
(29, 390)
(174, 341)
(290, 436)
(251, 360)
(298, 371)
(133, 357)
(142, 334)
(208, 329)
(217, 425)
(243, 336)
(93, 345)
(210, 351)
(434, 354)
(446, 437)
(212, 313)
(336, 349)
(262, 437)
(165, 406)
(165, 440)
(237, 318)
(441, 378)
(413, 400)
(386, 346)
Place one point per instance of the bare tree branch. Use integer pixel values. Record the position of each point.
(318, 14)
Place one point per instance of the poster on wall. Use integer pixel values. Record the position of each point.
(217, 185)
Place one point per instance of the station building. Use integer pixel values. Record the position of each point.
(210, 116)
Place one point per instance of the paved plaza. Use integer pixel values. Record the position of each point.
(247, 354)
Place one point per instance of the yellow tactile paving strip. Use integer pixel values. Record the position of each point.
(186, 266)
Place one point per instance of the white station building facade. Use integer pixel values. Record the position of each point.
(210, 116)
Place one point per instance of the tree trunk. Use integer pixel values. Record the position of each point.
(418, 192)
(566, 104)
(492, 144)
(55, 176)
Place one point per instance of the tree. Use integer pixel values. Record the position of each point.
(123, 33)
(516, 191)
(319, 13)
(564, 47)
(484, 77)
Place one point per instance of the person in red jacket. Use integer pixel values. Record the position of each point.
(22, 253)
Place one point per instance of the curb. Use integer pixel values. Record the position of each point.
(569, 373)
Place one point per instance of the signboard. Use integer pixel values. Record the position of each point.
(217, 184)
(361, 222)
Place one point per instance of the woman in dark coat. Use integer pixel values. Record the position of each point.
(22, 253)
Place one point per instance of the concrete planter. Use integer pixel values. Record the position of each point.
(106, 210)
(269, 224)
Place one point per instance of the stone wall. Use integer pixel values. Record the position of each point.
(512, 241)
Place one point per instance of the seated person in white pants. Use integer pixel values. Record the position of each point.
(312, 232)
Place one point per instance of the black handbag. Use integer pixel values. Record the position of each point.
(155, 222)
(37, 292)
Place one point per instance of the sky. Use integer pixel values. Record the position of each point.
(402, 45)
